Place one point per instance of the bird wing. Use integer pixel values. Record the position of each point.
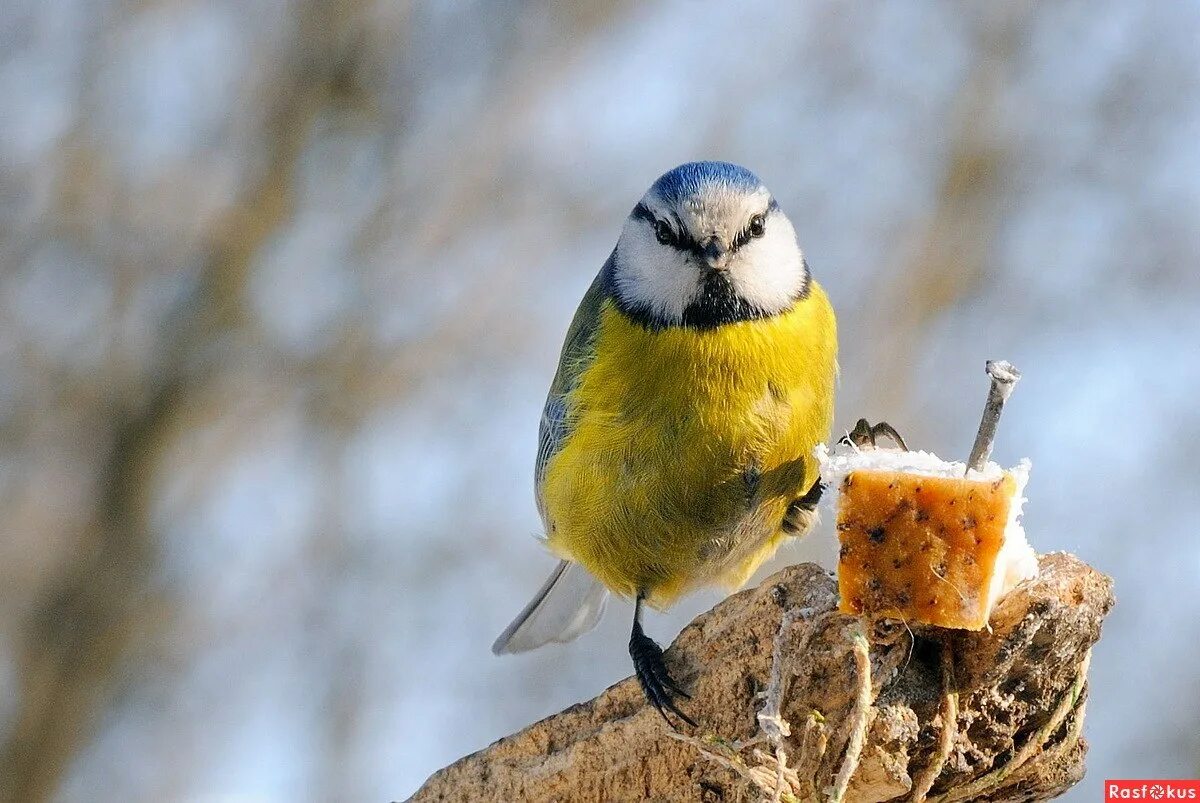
(577, 354)
(571, 601)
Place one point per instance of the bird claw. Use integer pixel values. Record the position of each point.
(794, 519)
(656, 682)
(865, 434)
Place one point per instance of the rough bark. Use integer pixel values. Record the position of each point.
(1015, 694)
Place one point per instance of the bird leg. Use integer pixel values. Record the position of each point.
(865, 433)
(658, 686)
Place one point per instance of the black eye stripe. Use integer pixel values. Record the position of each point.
(681, 239)
(746, 235)
(641, 212)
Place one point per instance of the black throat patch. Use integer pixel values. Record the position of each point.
(718, 303)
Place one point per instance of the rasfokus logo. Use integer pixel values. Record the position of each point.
(1158, 789)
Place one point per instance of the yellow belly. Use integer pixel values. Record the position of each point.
(687, 446)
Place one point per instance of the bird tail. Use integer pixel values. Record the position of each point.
(568, 604)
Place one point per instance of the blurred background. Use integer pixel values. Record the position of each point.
(283, 283)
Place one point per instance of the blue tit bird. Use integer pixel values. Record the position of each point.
(676, 444)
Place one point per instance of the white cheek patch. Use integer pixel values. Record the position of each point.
(654, 277)
(768, 271)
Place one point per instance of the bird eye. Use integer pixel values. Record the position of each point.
(758, 226)
(663, 232)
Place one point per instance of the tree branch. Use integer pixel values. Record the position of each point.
(783, 649)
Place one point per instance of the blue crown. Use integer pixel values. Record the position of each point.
(692, 178)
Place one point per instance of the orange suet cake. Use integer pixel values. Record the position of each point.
(922, 543)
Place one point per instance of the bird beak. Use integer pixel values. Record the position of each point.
(715, 253)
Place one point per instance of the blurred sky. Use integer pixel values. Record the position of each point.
(282, 286)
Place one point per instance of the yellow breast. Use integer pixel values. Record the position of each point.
(688, 445)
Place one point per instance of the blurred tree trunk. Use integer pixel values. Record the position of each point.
(82, 636)
(950, 253)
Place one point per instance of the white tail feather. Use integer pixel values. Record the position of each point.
(568, 604)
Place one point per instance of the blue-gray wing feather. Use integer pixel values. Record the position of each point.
(571, 601)
(577, 353)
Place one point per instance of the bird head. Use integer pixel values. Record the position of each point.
(707, 245)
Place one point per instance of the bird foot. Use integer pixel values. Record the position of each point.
(798, 517)
(865, 433)
(658, 686)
